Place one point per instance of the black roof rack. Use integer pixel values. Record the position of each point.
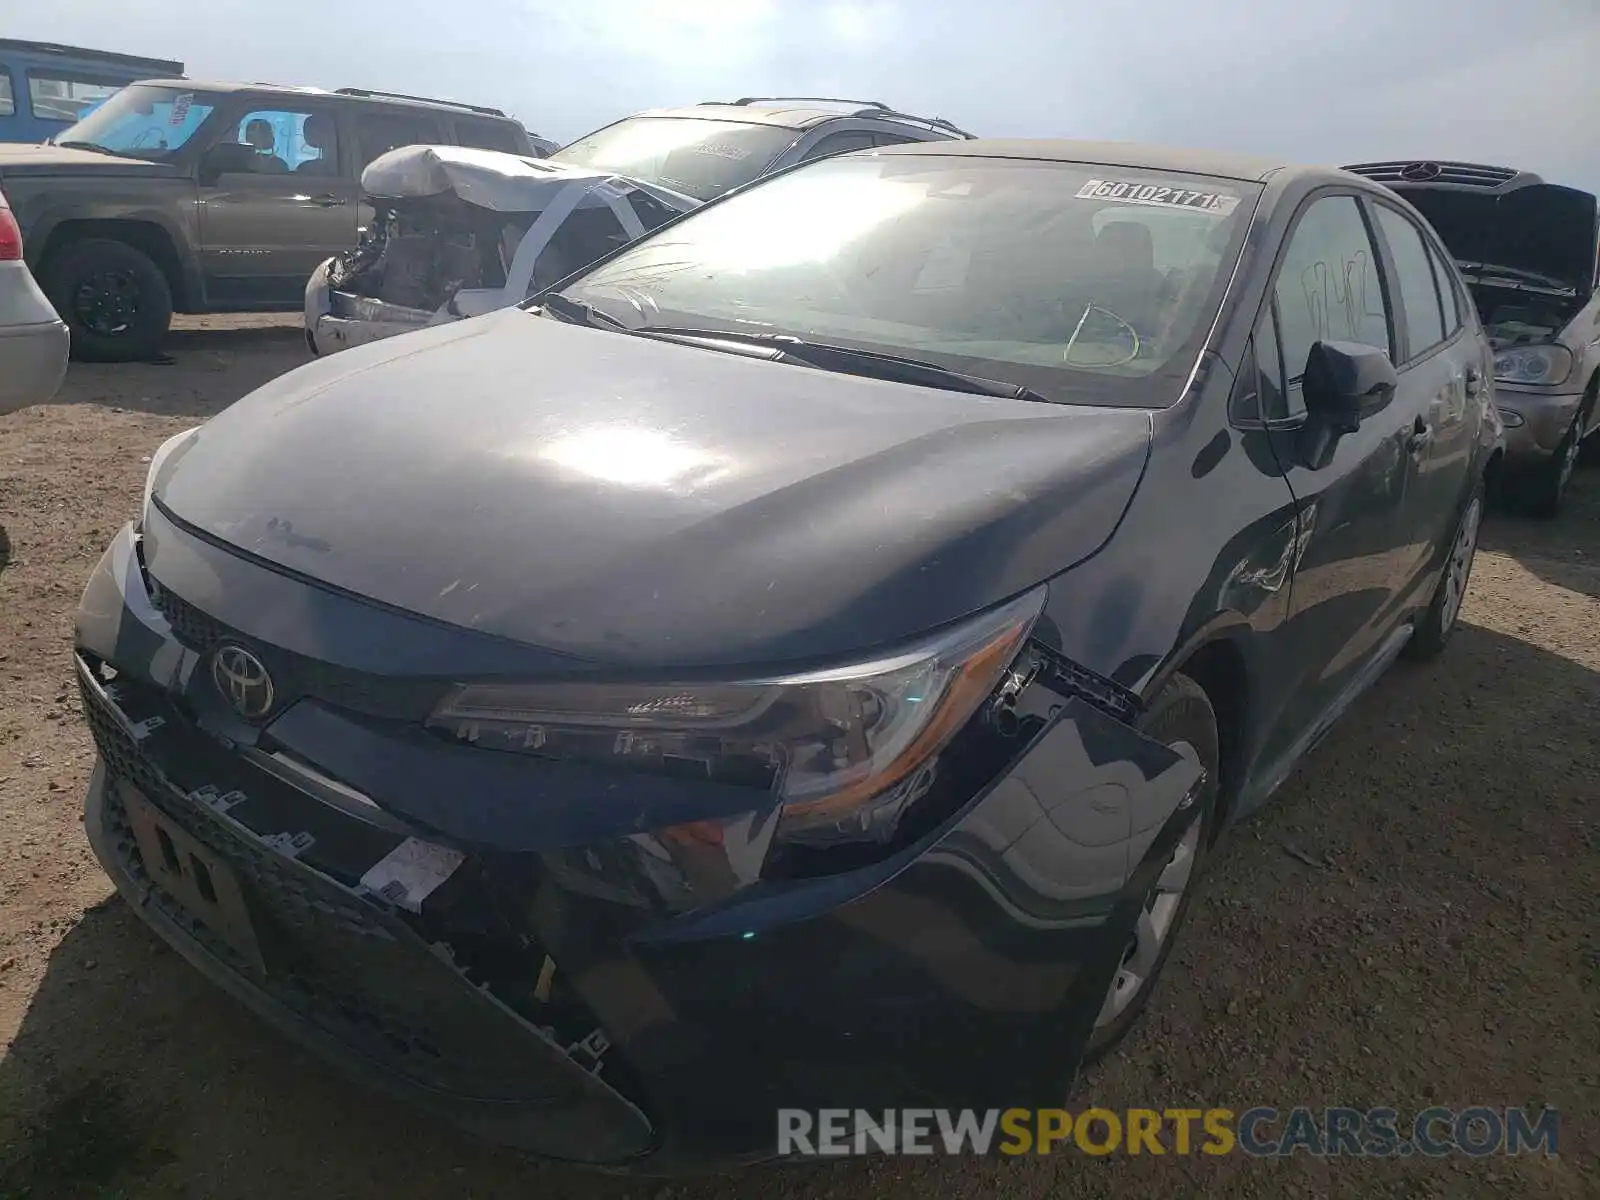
(862, 108)
(477, 108)
(161, 66)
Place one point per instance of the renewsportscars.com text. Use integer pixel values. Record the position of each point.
(1259, 1131)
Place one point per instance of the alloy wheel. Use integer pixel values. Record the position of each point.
(1459, 569)
(1156, 919)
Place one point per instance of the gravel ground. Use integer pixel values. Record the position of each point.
(1413, 921)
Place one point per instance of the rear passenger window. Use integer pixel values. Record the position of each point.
(490, 135)
(1329, 286)
(892, 139)
(8, 106)
(1448, 296)
(380, 132)
(1419, 293)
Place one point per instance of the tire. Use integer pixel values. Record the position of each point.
(115, 300)
(1439, 621)
(1180, 715)
(1541, 491)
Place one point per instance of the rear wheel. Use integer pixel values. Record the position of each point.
(1439, 622)
(1182, 718)
(114, 299)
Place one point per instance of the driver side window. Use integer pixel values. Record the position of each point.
(1329, 286)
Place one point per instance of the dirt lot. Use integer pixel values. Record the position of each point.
(1415, 920)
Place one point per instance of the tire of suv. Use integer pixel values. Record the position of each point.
(1180, 716)
(1443, 614)
(115, 301)
(1542, 489)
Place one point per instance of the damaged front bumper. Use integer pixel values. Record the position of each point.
(1536, 420)
(588, 966)
(337, 320)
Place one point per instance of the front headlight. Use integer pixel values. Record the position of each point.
(1541, 365)
(846, 750)
(163, 452)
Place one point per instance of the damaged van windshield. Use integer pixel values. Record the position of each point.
(698, 157)
(141, 121)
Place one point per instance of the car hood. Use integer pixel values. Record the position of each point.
(1544, 228)
(19, 161)
(641, 503)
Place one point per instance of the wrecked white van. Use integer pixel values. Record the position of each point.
(458, 232)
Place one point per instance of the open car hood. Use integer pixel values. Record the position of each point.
(489, 178)
(1502, 218)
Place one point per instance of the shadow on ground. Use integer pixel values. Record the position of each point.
(204, 371)
(1564, 551)
(133, 1077)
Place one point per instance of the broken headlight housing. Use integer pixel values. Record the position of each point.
(157, 460)
(846, 750)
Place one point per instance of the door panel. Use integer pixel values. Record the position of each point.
(285, 202)
(1433, 386)
(1351, 546)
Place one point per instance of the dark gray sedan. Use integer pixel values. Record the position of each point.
(803, 661)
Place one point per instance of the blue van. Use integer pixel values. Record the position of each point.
(45, 87)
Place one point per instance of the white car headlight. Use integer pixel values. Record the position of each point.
(846, 750)
(1541, 365)
(163, 452)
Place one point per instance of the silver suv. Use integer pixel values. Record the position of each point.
(705, 150)
(181, 196)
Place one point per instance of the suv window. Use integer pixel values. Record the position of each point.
(61, 98)
(1419, 293)
(288, 141)
(1329, 286)
(840, 143)
(490, 135)
(380, 132)
(8, 106)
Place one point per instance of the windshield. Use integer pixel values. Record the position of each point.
(700, 158)
(142, 121)
(1090, 284)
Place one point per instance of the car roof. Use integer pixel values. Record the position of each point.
(361, 95)
(1218, 163)
(802, 112)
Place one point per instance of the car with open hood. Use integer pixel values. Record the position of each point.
(458, 232)
(803, 659)
(1529, 251)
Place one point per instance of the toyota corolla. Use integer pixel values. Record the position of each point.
(804, 660)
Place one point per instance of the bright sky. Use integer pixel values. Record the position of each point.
(1310, 80)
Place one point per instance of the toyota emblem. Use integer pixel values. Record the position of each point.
(244, 682)
(1421, 172)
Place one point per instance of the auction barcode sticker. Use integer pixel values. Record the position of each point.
(1132, 191)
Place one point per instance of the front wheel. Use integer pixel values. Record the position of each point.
(1543, 489)
(1439, 622)
(114, 299)
(1181, 717)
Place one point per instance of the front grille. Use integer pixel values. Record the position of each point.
(1414, 172)
(351, 968)
(297, 677)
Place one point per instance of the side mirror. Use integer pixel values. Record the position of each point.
(1345, 382)
(226, 158)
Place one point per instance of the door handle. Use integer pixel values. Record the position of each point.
(328, 200)
(1421, 435)
(1474, 380)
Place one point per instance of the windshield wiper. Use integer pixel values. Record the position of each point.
(873, 364)
(98, 149)
(579, 312)
(826, 356)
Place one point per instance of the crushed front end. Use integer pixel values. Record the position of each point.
(586, 963)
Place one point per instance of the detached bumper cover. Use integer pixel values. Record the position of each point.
(636, 995)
